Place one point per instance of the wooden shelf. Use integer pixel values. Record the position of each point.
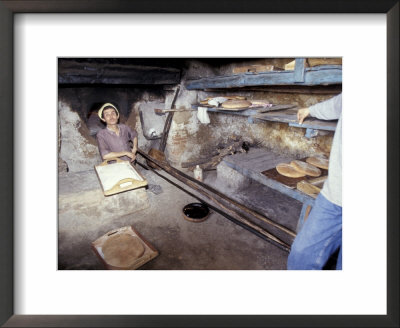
(253, 163)
(288, 116)
(245, 112)
(301, 76)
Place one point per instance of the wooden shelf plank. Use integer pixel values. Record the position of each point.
(318, 75)
(288, 116)
(75, 72)
(247, 168)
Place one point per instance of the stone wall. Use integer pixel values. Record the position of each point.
(188, 138)
(79, 123)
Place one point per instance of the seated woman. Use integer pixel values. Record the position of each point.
(114, 140)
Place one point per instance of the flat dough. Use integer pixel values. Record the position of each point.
(236, 104)
(229, 97)
(122, 250)
(308, 188)
(306, 168)
(288, 171)
(320, 162)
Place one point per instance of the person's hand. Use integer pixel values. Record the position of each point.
(302, 113)
(131, 155)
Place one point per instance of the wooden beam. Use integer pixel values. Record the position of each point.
(168, 122)
(302, 89)
(319, 75)
(77, 72)
(299, 70)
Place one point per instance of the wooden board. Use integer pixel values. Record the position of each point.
(275, 175)
(285, 116)
(276, 107)
(290, 116)
(324, 61)
(257, 160)
(255, 69)
(148, 252)
(118, 176)
(318, 75)
(289, 182)
(253, 163)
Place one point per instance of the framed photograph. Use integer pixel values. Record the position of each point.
(33, 289)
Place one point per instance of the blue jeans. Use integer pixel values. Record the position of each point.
(319, 238)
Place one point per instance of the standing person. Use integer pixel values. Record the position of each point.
(114, 139)
(321, 234)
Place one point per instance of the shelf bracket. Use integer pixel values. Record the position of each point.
(311, 133)
(250, 120)
(299, 70)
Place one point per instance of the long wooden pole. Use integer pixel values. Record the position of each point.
(257, 215)
(168, 122)
(232, 215)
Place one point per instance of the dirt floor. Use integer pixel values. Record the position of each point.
(214, 244)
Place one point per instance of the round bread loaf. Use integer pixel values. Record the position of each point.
(288, 171)
(236, 104)
(306, 168)
(230, 97)
(122, 250)
(308, 188)
(259, 102)
(320, 162)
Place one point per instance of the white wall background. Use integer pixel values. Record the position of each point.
(359, 289)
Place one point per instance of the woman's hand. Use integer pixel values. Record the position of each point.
(302, 113)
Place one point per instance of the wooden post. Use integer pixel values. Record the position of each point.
(299, 70)
(168, 122)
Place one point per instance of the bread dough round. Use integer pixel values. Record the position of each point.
(288, 171)
(236, 104)
(229, 97)
(308, 188)
(320, 162)
(122, 250)
(306, 168)
(260, 102)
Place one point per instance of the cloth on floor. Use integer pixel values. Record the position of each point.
(202, 115)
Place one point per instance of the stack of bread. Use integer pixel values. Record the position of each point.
(236, 104)
(297, 169)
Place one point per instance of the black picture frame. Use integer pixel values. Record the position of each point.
(10, 7)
